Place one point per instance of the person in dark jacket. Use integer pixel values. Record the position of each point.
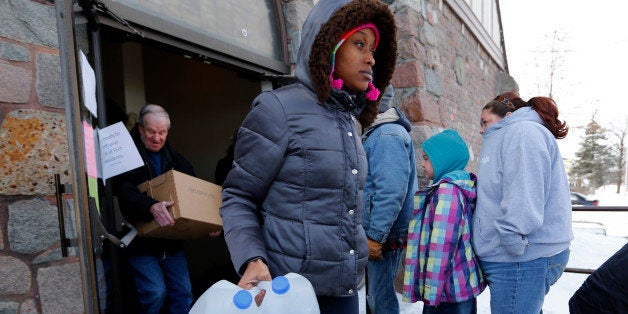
(389, 201)
(606, 290)
(293, 201)
(159, 266)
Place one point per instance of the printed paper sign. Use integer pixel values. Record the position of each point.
(118, 153)
(88, 82)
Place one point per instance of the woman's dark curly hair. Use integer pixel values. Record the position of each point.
(350, 16)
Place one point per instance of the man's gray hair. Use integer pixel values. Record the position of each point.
(153, 109)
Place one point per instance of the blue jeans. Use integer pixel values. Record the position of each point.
(521, 287)
(464, 307)
(159, 276)
(380, 288)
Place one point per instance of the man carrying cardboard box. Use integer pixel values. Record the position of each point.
(159, 266)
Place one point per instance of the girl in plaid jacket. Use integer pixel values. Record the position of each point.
(441, 268)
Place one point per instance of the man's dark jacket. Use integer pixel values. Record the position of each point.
(135, 205)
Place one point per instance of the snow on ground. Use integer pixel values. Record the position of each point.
(597, 236)
(614, 223)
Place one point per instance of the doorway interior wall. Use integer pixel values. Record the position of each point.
(206, 103)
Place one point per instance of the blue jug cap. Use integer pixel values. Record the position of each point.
(280, 285)
(242, 299)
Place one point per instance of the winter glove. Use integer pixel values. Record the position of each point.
(375, 250)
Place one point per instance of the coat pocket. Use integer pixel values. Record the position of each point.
(285, 239)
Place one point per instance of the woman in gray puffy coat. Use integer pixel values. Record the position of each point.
(293, 201)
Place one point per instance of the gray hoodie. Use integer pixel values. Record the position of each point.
(523, 204)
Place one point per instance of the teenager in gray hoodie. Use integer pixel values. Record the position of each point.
(522, 223)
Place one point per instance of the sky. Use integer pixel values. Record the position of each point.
(590, 40)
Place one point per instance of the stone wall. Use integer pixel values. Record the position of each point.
(35, 278)
(444, 76)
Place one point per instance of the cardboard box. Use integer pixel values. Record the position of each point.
(195, 210)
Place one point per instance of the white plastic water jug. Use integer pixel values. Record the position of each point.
(225, 297)
(291, 293)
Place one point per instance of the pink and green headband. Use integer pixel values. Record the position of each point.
(372, 92)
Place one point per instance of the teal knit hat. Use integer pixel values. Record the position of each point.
(447, 151)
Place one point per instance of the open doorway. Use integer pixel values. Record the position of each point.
(206, 101)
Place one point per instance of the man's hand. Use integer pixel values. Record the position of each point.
(161, 214)
(375, 250)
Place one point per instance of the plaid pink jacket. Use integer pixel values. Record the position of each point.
(440, 264)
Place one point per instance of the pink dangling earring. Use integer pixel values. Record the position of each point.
(372, 93)
(337, 84)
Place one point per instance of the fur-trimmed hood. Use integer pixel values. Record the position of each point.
(322, 30)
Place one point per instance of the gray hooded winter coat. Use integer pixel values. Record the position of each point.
(294, 196)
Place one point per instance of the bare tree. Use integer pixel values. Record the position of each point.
(618, 143)
(548, 58)
(557, 56)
